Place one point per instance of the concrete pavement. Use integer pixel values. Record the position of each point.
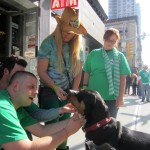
(134, 115)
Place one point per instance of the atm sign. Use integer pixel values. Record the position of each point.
(58, 4)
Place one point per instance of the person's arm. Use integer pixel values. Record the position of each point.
(120, 101)
(139, 80)
(45, 143)
(77, 79)
(52, 139)
(43, 115)
(40, 130)
(85, 80)
(132, 80)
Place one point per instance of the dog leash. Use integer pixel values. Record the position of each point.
(98, 124)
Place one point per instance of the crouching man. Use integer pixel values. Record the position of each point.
(20, 92)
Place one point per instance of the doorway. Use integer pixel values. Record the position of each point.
(18, 30)
(3, 34)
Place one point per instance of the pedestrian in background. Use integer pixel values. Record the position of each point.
(60, 61)
(105, 71)
(145, 83)
(139, 86)
(134, 83)
(128, 84)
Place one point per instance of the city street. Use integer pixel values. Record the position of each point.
(134, 115)
(71, 45)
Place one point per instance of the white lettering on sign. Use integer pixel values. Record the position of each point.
(55, 4)
(71, 2)
(58, 4)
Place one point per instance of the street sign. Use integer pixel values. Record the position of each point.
(58, 4)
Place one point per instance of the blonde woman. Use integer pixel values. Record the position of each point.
(60, 63)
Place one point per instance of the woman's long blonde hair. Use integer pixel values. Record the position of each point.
(75, 51)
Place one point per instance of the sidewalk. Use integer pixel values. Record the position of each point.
(135, 115)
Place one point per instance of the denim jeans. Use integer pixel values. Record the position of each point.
(112, 107)
(145, 87)
(139, 90)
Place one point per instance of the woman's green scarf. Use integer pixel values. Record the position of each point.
(113, 81)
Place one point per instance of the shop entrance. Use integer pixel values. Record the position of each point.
(18, 31)
(3, 35)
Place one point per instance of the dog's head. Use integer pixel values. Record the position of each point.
(88, 103)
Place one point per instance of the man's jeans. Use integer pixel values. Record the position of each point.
(145, 87)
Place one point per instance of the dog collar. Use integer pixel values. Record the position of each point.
(98, 124)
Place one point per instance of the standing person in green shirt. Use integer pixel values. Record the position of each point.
(105, 71)
(145, 83)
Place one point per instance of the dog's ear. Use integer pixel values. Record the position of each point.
(79, 105)
(87, 99)
(71, 93)
(81, 108)
(72, 97)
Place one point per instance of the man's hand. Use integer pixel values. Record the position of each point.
(74, 124)
(68, 108)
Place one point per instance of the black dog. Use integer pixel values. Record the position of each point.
(100, 129)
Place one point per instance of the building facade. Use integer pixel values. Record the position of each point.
(121, 8)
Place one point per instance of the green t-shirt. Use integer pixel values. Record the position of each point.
(24, 116)
(48, 50)
(95, 67)
(145, 76)
(30, 109)
(10, 127)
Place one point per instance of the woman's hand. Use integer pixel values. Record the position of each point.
(61, 93)
(68, 108)
(119, 102)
